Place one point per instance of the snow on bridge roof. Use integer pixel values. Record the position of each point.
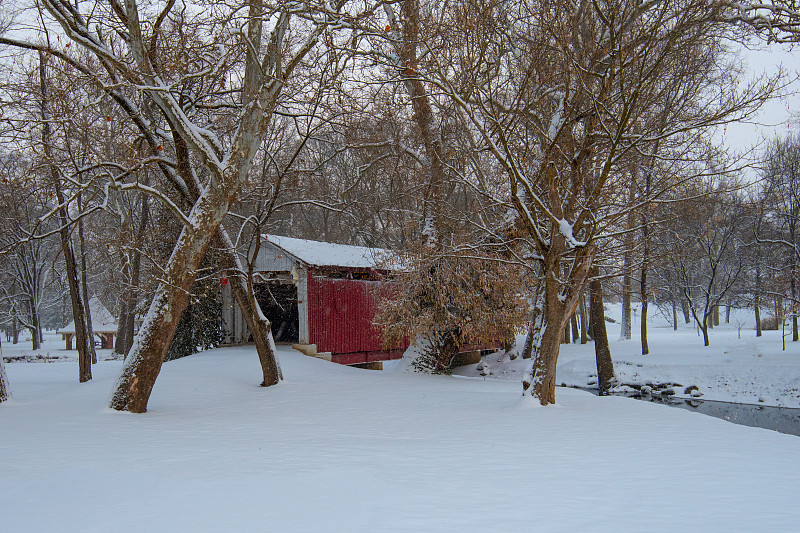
(316, 253)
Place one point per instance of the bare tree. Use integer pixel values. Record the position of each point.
(561, 99)
(781, 203)
(704, 253)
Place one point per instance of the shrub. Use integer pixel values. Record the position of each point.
(769, 323)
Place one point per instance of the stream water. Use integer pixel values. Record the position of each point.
(781, 419)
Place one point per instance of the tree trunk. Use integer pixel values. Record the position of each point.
(728, 314)
(625, 327)
(527, 349)
(685, 309)
(757, 302)
(257, 323)
(557, 302)
(85, 289)
(643, 284)
(120, 341)
(36, 339)
(78, 312)
(582, 311)
(143, 362)
(757, 309)
(704, 329)
(605, 366)
(5, 390)
(546, 345)
(674, 316)
(574, 321)
(794, 303)
(627, 264)
(793, 278)
(133, 261)
(14, 330)
(566, 338)
(716, 315)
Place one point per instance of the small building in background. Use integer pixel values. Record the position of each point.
(104, 325)
(320, 297)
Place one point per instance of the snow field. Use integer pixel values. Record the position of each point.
(340, 449)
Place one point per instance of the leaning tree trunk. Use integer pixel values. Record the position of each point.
(257, 323)
(78, 311)
(606, 378)
(143, 362)
(5, 390)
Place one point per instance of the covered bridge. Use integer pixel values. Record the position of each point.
(319, 296)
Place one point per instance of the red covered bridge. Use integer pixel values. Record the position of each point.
(321, 297)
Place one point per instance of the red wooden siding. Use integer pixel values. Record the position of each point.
(341, 313)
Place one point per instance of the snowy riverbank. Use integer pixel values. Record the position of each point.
(743, 370)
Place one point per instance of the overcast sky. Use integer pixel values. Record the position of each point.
(778, 116)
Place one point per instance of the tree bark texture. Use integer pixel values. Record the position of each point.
(557, 301)
(143, 363)
(606, 378)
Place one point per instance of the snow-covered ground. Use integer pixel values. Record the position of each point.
(336, 449)
(744, 370)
